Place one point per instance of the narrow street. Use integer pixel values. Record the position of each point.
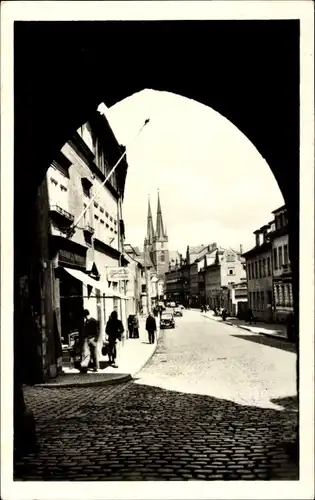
(214, 402)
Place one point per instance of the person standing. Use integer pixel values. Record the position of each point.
(114, 330)
(150, 326)
(131, 326)
(90, 339)
(136, 327)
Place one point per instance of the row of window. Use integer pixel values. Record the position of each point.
(259, 269)
(106, 214)
(259, 300)
(280, 256)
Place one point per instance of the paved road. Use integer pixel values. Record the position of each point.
(215, 402)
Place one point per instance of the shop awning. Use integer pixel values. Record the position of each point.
(87, 280)
(99, 285)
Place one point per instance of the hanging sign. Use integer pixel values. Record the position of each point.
(118, 274)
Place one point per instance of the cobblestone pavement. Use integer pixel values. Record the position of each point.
(187, 416)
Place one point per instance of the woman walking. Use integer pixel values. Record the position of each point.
(114, 330)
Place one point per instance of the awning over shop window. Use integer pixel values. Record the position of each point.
(87, 280)
(99, 285)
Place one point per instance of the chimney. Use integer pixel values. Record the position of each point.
(241, 249)
(257, 239)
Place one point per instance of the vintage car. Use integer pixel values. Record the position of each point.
(178, 311)
(167, 320)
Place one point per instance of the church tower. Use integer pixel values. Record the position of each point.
(160, 244)
(149, 239)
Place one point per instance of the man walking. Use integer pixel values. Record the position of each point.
(150, 326)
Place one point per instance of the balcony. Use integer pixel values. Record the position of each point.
(61, 216)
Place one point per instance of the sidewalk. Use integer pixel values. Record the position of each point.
(132, 355)
(272, 330)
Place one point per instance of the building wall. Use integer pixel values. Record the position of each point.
(259, 285)
(232, 269)
(212, 285)
(161, 256)
(66, 184)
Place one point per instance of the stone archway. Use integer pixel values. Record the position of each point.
(85, 63)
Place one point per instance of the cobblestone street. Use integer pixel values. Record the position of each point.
(213, 403)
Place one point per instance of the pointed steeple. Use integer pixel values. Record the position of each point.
(160, 232)
(150, 228)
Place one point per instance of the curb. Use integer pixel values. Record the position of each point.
(272, 335)
(98, 383)
(111, 381)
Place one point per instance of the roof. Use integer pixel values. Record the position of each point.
(131, 250)
(280, 209)
(198, 252)
(264, 247)
(173, 255)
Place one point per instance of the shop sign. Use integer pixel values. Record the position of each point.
(118, 274)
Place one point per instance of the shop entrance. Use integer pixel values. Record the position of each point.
(71, 308)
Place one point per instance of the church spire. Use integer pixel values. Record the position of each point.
(150, 228)
(160, 232)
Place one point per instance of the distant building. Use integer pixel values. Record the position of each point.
(238, 302)
(227, 268)
(149, 287)
(156, 242)
(177, 285)
(136, 278)
(195, 259)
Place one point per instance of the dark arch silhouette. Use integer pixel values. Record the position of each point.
(248, 71)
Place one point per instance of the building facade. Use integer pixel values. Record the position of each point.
(238, 303)
(227, 268)
(80, 259)
(269, 275)
(259, 276)
(177, 285)
(195, 258)
(282, 275)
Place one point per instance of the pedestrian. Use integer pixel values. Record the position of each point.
(114, 330)
(90, 341)
(135, 327)
(150, 326)
(160, 311)
(250, 316)
(131, 326)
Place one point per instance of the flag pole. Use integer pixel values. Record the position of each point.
(72, 228)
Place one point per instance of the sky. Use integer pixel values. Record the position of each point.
(214, 185)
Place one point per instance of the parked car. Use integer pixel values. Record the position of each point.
(167, 320)
(178, 311)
